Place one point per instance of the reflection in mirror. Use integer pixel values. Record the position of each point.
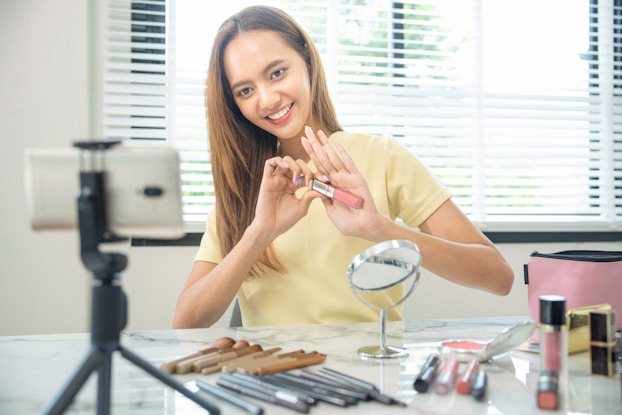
(375, 274)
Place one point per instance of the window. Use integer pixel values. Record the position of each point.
(516, 108)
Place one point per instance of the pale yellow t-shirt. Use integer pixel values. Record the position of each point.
(314, 288)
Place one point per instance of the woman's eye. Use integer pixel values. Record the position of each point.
(244, 91)
(277, 73)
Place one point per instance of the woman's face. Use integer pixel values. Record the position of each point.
(270, 83)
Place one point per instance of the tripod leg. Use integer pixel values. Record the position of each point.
(103, 384)
(75, 383)
(169, 381)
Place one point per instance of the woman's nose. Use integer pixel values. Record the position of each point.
(268, 98)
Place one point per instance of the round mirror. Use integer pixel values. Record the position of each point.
(383, 277)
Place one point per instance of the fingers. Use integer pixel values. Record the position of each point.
(301, 173)
(275, 165)
(324, 156)
(296, 170)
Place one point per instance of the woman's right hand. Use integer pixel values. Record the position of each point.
(278, 207)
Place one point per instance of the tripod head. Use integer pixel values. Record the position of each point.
(92, 216)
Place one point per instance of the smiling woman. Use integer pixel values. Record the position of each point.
(269, 242)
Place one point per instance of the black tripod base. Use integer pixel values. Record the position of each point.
(109, 315)
(101, 361)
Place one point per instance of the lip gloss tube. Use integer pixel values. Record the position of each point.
(338, 194)
(553, 334)
(464, 382)
(445, 380)
(427, 373)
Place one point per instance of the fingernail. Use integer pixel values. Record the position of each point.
(327, 178)
(298, 179)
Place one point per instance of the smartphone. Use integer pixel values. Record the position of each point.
(142, 189)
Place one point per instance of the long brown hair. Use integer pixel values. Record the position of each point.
(237, 147)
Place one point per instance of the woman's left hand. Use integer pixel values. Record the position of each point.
(337, 165)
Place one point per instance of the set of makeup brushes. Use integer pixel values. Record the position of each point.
(249, 370)
(228, 355)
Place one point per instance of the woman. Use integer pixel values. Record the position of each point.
(272, 129)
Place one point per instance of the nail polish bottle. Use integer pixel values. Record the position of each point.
(554, 339)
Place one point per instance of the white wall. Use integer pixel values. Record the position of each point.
(44, 101)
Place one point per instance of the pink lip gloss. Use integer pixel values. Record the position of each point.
(447, 376)
(336, 193)
(553, 343)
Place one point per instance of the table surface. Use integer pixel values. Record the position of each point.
(35, 369)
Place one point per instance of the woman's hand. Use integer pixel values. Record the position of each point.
(278, 208)
(337, 165)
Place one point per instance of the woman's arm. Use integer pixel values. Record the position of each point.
(451, 246)
(210, 287)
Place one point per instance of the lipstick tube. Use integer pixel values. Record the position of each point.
(463, 386)
(446, 377)
(336, 193)
(427, 373)
(603, 350)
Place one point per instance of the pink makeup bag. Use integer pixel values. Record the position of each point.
(585, 278)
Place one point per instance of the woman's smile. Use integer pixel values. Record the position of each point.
(282, 115)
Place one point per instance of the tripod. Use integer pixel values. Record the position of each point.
(109, 303)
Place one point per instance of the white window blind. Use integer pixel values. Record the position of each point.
(515, 105)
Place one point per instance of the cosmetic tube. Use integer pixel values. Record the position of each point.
(463, 386)
(338, 194)
(479, 384)
(447, 376)
(554, 339)
(603, 349)
(547, 395)
(427, 373)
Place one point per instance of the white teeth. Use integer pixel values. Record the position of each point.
(280, 113)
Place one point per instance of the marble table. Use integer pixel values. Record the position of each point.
(35, 368)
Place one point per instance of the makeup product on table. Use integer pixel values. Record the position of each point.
(553, 334)
(553, 351)
(446, 376)
(319, 394)
(308, 359)
(547, 396)
(479, 384)
(232, 364)
(210, 360)
(370, 388)
(281, 398)
(263, 382)
(229, 397)
(506, 341)
(427, 373)
(464, 384)
(603, 349)
(336, 193)
(222, 343)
